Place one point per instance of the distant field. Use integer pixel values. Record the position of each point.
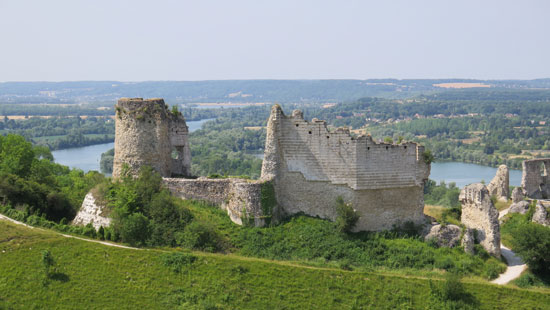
(94, 276)
(461, 85)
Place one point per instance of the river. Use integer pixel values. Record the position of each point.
(87, 158)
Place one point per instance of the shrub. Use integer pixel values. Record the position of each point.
(89, 231)
(201, 236)
(47, 262)
(167, 218)
(451, 295)
(532, 242)
(101, 233)
(176, 261)
(135, 229)
(347, 217)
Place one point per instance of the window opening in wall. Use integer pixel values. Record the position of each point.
(368, 148)
(328, 137)
(386, 147)
(405, 147)
(175, 154)
(297, 125)
(309, 132)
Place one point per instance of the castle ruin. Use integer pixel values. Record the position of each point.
(310, 166)
(306, 167)
(535, 180)
(148, 134)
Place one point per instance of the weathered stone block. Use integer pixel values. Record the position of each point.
(519, 207)
(479, 213)
(517, 194)
(500, 185)
(445, 236)
(541, 215)
(535, 180)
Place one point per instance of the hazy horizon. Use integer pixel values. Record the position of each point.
(134, 41)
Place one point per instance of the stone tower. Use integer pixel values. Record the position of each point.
(148, 134)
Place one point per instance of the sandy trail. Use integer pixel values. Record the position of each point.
(3, 217)
(515, 265)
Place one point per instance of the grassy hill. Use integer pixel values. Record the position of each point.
(94, 276)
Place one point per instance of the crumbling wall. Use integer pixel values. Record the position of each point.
(147, 134)
(479, 213)
(500, 184)
(242, 199)
(311, 166)
(91, 212)
(535, 179)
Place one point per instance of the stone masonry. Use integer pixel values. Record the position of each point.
(311, 166)
(479, 214)
(500, 185)
(240, 198)
(535, 180)
(306, 167)
(148, 134)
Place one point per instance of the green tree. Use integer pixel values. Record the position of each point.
(346, 215)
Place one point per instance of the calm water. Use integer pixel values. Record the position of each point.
(87, 157)
(463, 174)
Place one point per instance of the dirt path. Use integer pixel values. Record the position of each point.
(515, 265)
(3, 217)
(514, 270)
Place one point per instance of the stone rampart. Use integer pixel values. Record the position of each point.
(311, 166)
(242, 199)
(535, 180)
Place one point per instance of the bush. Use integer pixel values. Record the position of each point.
(47, 262)
(135, 229)
(176, 261)
(201, 236)
(451, 295)
(347, 217)
(167, 218)
(532, 243)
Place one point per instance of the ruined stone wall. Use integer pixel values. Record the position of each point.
(479, 214)
(240, 198)
(147, 134)
(535, 180)
(311, 166)
(500, 184)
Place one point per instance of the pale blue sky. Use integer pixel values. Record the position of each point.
(63, 40)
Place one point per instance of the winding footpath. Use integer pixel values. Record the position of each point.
(514, 270)
(3, 217)
(515, 265)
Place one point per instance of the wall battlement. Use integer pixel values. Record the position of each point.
(311, 166)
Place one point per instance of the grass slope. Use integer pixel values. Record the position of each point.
(94, 276)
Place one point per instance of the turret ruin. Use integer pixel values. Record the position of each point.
(148, 134)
